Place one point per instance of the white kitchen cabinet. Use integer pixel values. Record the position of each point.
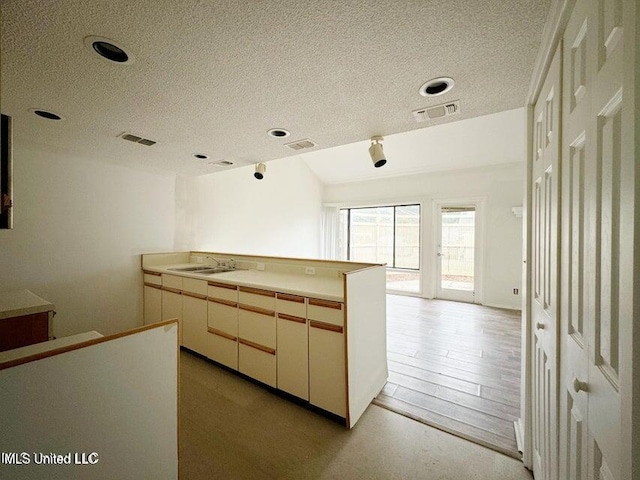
(293, 355)
(257, 334)
(172, 307)
(152, 304)
(152, 296)
(292, 345)
(327, 372)
(257, 362)
(290, 340)
(194, 322)
(222, 341)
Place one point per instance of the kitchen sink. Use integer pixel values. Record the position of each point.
(189, 269)
(203, 270)
(211, 271)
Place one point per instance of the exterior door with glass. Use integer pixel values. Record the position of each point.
(457, 259)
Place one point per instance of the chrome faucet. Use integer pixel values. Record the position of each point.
(215, 260)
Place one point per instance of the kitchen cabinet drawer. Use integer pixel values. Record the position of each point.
(293, 355)
(257, 298)
(223, 316)
(152, 304)
(222, 348)
(223, 292)
(291, 305)
(257, 362)
(325, 311)
(257, 326)
(327, 380)
(153, 278)
(193, 285)
(194, 323)
(171, 281)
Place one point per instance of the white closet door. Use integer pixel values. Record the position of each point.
(544, 306)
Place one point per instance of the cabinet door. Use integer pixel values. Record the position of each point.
(327, 385)
(257, 325)
(194, 318)
(222, 343)
(257, 362)
(293, 355)
(152, 304)
(172, 308)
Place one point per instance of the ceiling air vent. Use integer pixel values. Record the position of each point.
(136, 139)
(221, 163)
(301, 144)
(432, 113)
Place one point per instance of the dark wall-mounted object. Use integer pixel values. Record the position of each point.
(6, 172)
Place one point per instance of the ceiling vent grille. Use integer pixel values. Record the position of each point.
(221, 163)
(438, 111)
(301, 144)
(136, 139)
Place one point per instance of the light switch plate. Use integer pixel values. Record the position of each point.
(260, 266)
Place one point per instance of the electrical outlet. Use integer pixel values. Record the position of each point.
(309, 270)
(515, 291)
(260, 266)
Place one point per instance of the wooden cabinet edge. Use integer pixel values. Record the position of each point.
(250, 308)
(290, 298)
(291, 318)
(147, 272)
(222, 334)
(258, 291)
(257, 346)
(152, 285)
(172, 290)
(325, 326)
(223, 285)
(317, 302)
(199, 296)
(222, 301)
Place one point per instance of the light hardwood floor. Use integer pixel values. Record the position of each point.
(455, 366)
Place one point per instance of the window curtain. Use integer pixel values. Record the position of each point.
(330, 232)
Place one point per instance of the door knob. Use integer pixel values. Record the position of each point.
(440, 254)
(540, 325)
(578, 385)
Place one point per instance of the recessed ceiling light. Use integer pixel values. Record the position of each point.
(108, 49)
(278, 133)
(46, 114)
(436, 86)
(201, 156)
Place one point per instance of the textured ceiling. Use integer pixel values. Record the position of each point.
(493, 139)
(214, 76)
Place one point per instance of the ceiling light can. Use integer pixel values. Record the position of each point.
(436, 86)
(47, 114)
(278, 133)
(109, 50)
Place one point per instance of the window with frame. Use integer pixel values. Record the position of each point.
(385, 234)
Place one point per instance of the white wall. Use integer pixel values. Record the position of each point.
(500, 186)
(79, 227)
(279, 215)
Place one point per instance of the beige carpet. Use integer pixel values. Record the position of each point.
(233, 429)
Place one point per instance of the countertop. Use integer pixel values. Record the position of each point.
(17, 303)
(322, 287)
